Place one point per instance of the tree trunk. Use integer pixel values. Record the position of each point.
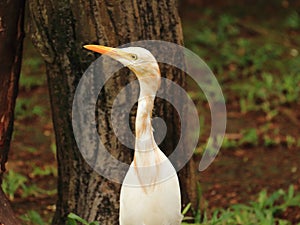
(11, 42)
(59, 30)
(7, 216)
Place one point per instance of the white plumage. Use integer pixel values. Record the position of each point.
(150, 193)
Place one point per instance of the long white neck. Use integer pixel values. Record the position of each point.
(150, 163)
(143, 128)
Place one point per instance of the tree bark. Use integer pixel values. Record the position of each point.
(11, 42)
(59, 30)
(7, 216)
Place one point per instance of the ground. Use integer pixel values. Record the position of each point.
(254, 52)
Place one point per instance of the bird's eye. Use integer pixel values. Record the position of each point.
(134, 57)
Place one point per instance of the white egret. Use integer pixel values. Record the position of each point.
(150, 193)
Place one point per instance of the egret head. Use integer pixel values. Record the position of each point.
(137, 59)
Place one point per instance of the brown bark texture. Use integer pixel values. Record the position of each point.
(11, 42)
(59, 30)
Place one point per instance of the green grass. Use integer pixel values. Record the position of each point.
(32, 76)
(27, 108)
(33, 218)
(267, 92)
(222, 42)
(293, 20)
(265, 135)
(17, 184)
(266, 210)
(12, 181)
(73, 219)
(257, 66)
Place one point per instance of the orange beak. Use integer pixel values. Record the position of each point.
(115, 53)
(100, 49)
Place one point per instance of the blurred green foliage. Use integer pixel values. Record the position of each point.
(32, 217)
(16, 183)
(31, 76)
(73, 219)
(256, 63)
(12, 182)
(266, 210)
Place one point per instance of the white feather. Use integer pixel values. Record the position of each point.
(150, 193)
